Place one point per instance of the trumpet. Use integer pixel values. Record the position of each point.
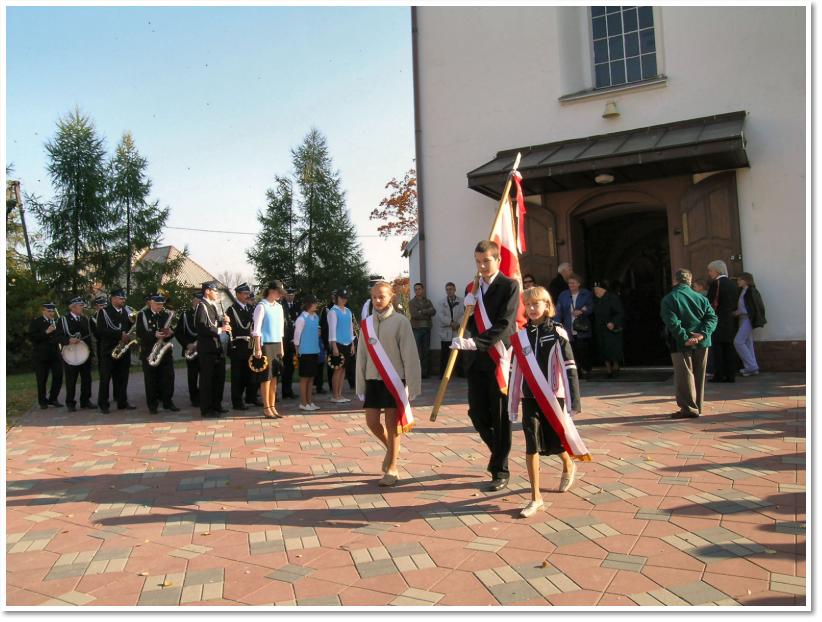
(121, 348)
(161, 346)
(191, 351)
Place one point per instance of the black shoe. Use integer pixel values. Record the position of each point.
(498, 483)
(320, 391)
(285, 396)
(90, 405)
(220, 410)
(55, 403)
(104, 410)
(256, 403)
(44, 406)
(684, 415)
(151, 410)
(239, 407)
(209, 415)
(172, 407)
(126, 406)
(71, 409)
(195, 404)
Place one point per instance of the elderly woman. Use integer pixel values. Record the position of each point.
(750, 312)
(723, 294)
(608, 322)
(574, 308)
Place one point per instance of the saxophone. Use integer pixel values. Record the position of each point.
(161, 346)
(121, 348)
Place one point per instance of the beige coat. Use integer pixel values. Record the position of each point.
(394, 332)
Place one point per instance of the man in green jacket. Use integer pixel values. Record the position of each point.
(689, 321)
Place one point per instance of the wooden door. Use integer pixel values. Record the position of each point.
(710, 225)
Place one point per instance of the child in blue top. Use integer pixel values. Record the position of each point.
(307, 344)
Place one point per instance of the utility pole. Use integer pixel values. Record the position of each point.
(18, 198)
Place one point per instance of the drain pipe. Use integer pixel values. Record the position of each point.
(418, 147)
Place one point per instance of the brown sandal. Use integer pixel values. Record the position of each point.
(274, 414)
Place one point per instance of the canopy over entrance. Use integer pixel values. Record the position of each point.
(685, 147)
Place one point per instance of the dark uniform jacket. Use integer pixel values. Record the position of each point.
(290, 314)
(501, 301)
(242, 320)
(724, 305)
(147, 324)
(542, 338)
(111, 324)
(44, 345)
(755, 306)
(186, 331)
(68, 327)
(207, 322)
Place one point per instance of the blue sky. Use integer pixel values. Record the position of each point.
(216, 97)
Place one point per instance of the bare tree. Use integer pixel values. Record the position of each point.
(232, 279)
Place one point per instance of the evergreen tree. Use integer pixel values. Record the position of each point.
(275, 250)
(77, 220)
(329, 255)
(139, 223)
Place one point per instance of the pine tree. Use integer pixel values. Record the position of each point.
(275, 250)
(77, 220)
(329, 255)
(140, 223)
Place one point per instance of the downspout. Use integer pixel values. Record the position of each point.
(418, 146)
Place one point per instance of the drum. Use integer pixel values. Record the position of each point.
(75, 353)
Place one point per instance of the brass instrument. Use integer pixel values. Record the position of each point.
(191, 351)
(161, 346)
(121, 348)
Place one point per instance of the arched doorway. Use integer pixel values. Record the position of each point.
(626, 245)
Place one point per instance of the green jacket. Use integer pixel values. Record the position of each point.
(685, 312)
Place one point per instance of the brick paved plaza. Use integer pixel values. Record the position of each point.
(171, 509)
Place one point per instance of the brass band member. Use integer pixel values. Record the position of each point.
(46, 355)
(209, 327)
(269, 330)
(73, 328)
(186, 334)
(113, 324)
(243, 381)
(291, 311)
(153, 326)
(100, 302)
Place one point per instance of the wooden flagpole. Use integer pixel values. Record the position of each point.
(469, 309)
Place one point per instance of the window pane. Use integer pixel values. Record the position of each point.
(611, 9)
(646, 17)
(618, 72)
(634, 72)
(630, 20)
(602, 76)
(601, 51)
(596, 11)
(632, 44)
(614, 24)
(598, 27)
(615, 47)
(649, 66)
(646, 38)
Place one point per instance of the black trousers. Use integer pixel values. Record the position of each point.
(193, 379)
(212, 381)
(488, 410)
(42, 369)
(243, 381)
(114, 372)
(287, 376)
(159, 381)
(725, 360)
(582, 353)
(445, 353)
(321, 369)
(71, 373)
(351, 367)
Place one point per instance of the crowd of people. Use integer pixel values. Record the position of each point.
(384, 355)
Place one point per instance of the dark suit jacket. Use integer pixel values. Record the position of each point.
(186, 331)
(755, 307)
(556, 287)
(110, 333)
(146, 335)
(45, 345)
(82, 326)
(501, 303)
(208, 323)
(724, 305)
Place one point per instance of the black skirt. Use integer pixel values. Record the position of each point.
(275, 362)
(308, 365)
(540, 437)
(377, 395)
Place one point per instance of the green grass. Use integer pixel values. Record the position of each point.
(21, 395)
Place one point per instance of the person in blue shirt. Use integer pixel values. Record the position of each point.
(340, 341)
(574, 308)
(268, 333)
(307, 342)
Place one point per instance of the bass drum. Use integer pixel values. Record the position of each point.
(75, 353)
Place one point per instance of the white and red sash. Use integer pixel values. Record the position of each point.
(389, 375)
(546, 391)
(498, 353)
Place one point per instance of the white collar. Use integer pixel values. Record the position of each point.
(488, 283)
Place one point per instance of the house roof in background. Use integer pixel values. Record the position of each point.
(192, 274)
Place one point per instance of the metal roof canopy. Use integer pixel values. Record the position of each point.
(684, 147)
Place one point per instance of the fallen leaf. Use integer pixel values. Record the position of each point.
(299, 555)
(206, 533)
(545, 564)
(769, 551)
(143, 574)
(167, 584)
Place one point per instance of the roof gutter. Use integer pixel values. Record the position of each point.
(418, 146)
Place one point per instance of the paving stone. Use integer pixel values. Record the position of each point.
(698, 593)
(376, 568)
(517, 591)
(290, 573)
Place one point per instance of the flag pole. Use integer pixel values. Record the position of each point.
(469, 309)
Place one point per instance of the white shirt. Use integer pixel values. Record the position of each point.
(259, 315)
(332, 325)
(486, 284)
(299, 324)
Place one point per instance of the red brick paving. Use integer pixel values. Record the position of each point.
(246, 497)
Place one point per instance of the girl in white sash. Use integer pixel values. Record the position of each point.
(544, 375)
(388, 375)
